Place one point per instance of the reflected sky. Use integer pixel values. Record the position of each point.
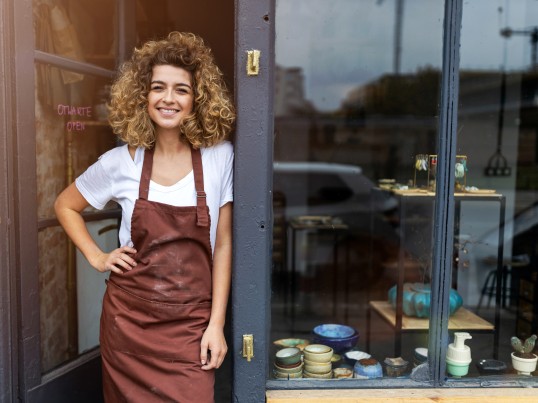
(342, 44)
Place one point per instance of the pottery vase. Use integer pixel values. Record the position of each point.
(416, 299)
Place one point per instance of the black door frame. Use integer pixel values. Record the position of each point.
(254, 30)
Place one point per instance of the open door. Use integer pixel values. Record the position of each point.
(63, 69)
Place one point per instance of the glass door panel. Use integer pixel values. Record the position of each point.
(62, 28)
(356, 106)
(71, 133)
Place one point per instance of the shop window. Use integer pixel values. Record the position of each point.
(365, 94)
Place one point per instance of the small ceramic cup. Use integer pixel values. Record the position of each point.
(368, 368)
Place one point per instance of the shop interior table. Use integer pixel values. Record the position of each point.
(335, 228)
(398, 320)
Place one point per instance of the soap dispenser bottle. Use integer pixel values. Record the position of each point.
(458, 355)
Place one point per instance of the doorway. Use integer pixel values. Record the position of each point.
(72, 55)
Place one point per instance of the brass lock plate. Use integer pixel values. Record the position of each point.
(248, 346)
(253, 62)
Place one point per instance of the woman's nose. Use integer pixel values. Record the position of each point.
(168, 96)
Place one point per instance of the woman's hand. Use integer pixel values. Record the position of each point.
(213, 347)
(118, 261)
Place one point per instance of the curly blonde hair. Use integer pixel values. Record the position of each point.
(213, 114)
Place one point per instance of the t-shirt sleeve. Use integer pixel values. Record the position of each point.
(227, 175)
(95, 185)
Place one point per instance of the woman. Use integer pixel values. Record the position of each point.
(164, 308)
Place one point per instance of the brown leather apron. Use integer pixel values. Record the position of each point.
(154, 316)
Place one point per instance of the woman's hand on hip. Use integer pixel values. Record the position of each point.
(118, 261)
(213, 348)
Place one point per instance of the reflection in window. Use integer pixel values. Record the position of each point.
(71, 133)
(62, 27)
(357, 85)
(356, 99)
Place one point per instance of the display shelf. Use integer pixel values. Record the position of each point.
(463, 319)
(395, 317)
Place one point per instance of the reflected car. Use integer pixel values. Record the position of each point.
(328, 189)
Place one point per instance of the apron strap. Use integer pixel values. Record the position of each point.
(143, 190)
(201, 205)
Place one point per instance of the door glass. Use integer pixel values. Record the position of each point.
(71, 132)
(496, 252)
(62, 27)
(356, 106)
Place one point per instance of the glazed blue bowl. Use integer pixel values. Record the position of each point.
(368, 368)
(341, 338)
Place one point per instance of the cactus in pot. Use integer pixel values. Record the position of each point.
(523, 359)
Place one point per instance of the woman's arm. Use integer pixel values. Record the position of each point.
(68, 207)
(213, 338)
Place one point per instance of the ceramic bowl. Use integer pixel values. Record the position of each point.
(340, 338)
(420, 356)
(317, 367)
(334, 331)
(491, 367)
(288, 366)
(340, 373)
(293, 370)
(336, 360)
(287, 356)
(290, 342)
(327, 375)
(282, 375)
(354, 355)
(395, 367)
(318, 353)
(368, 368)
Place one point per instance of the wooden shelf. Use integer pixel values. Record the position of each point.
(463, 319)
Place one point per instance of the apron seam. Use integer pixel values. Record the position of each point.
(157, 302)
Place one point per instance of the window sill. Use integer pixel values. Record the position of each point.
(519, 395)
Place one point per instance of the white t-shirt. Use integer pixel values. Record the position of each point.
(116, 176)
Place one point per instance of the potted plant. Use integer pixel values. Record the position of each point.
(523, 359)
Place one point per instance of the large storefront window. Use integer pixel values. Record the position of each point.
(356, 105)
(357, 92)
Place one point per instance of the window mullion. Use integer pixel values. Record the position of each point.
(444, 198)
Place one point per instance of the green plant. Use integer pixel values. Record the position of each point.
(524, 349)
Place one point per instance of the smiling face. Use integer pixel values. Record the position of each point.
(170, 98)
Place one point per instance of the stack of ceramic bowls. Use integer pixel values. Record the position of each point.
(288, 363)
(340, 338)
(317, 361)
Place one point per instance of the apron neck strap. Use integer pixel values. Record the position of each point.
(201, 205)
(143, 190)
